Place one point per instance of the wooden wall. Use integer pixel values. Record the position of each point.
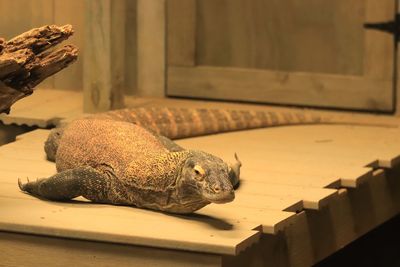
(289, 35)
(17, 16)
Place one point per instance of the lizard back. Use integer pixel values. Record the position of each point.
(129, 152)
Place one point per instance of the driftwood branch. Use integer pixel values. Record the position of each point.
(26, 60)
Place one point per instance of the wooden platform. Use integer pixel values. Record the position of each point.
(306, 192)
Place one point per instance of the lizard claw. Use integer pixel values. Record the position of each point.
(20, 185)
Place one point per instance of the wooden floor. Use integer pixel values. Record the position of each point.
(306, 192)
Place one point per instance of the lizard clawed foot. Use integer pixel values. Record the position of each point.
(21, 185)
(234, 172)
(30, 186)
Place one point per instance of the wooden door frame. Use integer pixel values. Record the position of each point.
(154, 55)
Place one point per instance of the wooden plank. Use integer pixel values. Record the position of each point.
(21, 153)
(151, 44)
(294, 155)
(313, 198)
(303, 238)
(314, 37)
(350, 67)
(104, 61)
(71, 12)
(131, 53)
(266, 86)
(356, 211)
(38, 135)
(181, 32)
(231, 216)
(378, 44)
(45, 108)
(270, 221)
(8, 133)
(47, 251)
(269, 215)
(129, 226)
(31, 166)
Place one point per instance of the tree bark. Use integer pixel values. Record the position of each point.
(27, 60)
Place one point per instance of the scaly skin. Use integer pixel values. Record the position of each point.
(126, 157)
(176, 123)
(117, 162)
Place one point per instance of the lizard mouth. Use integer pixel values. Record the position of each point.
(221, 198)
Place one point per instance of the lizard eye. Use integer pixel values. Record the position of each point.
(199, 171)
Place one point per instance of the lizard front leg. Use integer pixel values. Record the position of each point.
(66, 185)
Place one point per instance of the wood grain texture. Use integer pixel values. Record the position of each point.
(351, 92)
(214, 231)
(310, 155)
(131, 43)
(45, 108)
(104, 61)
(72, 12)
(285, 35)
(31, 250)
(151, 47)
(181, 32)
(379, 50)
(332, 60)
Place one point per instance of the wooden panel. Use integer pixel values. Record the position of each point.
(290, 35)
(120, 225)
(281, 87)
(270, 217)
(379, 51)
(104, 61)
(151, 45)
(45, 108)
(181, 32)
(299, 240)
(71, 12)
(271, 52)
(45, 251)
(291, 161)
(131, 47)
(9, 132)
(209, 227)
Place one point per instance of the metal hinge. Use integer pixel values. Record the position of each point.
(392, 26)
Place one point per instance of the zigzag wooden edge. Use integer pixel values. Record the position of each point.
(247, 231)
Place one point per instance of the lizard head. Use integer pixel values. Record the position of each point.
(208, 176)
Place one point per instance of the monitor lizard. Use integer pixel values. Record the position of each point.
(127, 157)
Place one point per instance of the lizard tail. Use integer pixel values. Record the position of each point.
(176, 123)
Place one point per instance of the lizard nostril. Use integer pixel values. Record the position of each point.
(217, 188)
